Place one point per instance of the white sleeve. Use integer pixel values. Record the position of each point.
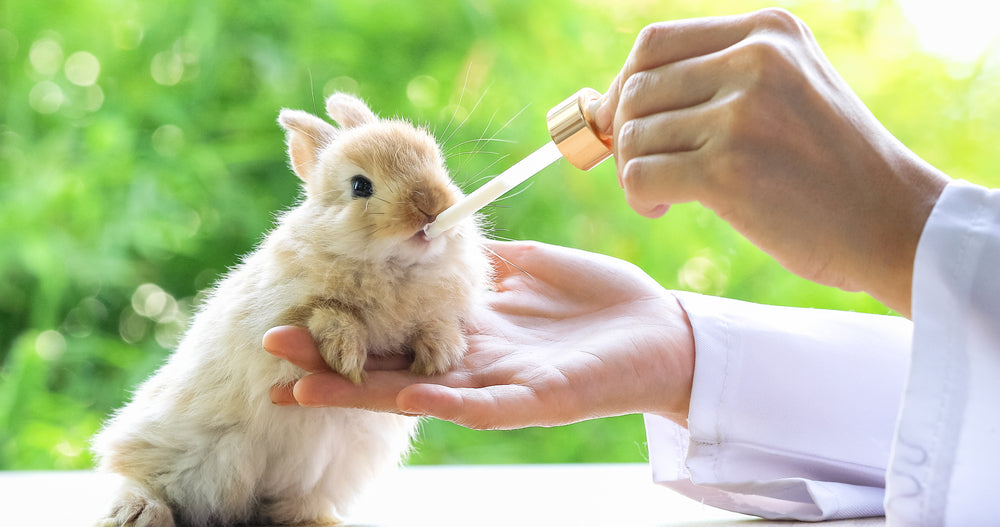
(792, 410)
(945, 467)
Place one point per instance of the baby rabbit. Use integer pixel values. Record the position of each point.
(200, 444)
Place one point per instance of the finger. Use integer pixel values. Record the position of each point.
(674, 41)
(529, 259)
(663, 157)
(377, 393)
(503, 256)
(295, 344)
(652, 183)
(281, 395)
(604, 109)
(686, 130)
(664, 110)
(501, 407)
(667, 43)
(516, 261)
(675, 86)
(511, 250)
(542, 268)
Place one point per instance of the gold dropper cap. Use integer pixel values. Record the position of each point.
(572, 129)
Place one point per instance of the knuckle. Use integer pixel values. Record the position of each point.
(629, 136)
(641, 193)
(778, 19)
(764, 61)
(649, 37)
(632, 179)
(761, 54)
(742, 114)
(634, 88)
(649, 45)
(633, 92)
(744, 123)
(738, 127)
(730, 170)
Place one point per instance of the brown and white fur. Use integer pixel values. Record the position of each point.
(200, 443)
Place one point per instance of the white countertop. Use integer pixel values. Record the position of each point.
(440, 496)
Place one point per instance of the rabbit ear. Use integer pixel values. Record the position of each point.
(306, 135)
(348, 111)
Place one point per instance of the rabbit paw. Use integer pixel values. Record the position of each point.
(307, 510)
(337, 335)
(135, 507)
(437, 349)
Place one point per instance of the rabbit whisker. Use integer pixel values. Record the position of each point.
(508, 262)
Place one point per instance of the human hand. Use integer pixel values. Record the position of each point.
(747, 116)
(565, 336)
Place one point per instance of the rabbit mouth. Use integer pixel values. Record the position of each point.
(419, 248)
(420, 237)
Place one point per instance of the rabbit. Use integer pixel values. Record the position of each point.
(200, 443)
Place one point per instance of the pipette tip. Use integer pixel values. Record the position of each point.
(429, 232)
(493, 189)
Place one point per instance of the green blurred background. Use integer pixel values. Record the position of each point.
(139, 157)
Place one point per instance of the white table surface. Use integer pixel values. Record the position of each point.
(440, 496)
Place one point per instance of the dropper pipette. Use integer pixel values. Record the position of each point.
(574, 137)
(493, 189)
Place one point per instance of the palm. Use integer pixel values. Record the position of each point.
(566, 336)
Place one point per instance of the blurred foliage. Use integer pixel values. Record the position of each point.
(139, 157)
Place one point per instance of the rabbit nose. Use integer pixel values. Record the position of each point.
(430, 216)
(431, 201)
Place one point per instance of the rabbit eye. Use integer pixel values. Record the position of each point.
(362, 187)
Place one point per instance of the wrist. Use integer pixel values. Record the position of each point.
(889, 278)
(676, 358)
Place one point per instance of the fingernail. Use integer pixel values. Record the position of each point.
(603, 114)
(266, 341)
(282, 396)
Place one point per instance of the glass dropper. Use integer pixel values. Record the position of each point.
(574, 137)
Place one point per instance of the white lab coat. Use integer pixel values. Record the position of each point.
(811, 415)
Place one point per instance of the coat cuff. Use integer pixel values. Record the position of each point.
(946, 462)
(792, 410)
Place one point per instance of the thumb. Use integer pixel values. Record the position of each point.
(604, 117)
(604, 108)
